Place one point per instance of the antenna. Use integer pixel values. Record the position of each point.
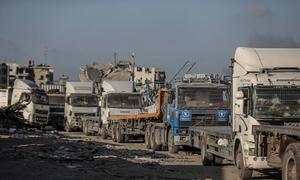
(115, 57)
(133, 57)
(46, 54)
(183, 66)
(192, 65)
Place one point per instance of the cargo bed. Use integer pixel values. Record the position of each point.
(213, 140)
(221, 131)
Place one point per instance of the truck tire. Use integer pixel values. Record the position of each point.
(103, 133)
(154, 134)
(67, 126)
(244, 172)
(147, 137)
(205, 158)
(85, 128)
(119, 135)
(113, 133)
(172, 148)
(291, 162)
(126, 138)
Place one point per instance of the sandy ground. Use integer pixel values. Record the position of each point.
(75, 156)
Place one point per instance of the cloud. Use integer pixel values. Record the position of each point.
(271, 41)
(259, 10)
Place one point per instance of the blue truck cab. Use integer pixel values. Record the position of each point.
(196, 100)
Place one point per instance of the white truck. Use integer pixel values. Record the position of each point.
(36, 111)
(117, 99)
(123, 114)
(266, 110)
(265, 127)
(56, 110)
(81, 103)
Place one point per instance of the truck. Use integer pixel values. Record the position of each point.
(193, 100)
(264, 132)
(56, 110)
(123, 114)
(81, 103)
(36, 111)
(56, 94)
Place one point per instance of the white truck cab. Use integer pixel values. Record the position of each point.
(81, 103)
(37, 111)
(120, 103)
(265, 91)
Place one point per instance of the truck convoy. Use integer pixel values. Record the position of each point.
(36, 112)
(264, 130)
(81, 103)
(261, 130)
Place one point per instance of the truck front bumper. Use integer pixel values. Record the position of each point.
(40, 119)
(253, 162)
(181, 140)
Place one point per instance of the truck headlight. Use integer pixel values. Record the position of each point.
(182, 131)
(177, 113)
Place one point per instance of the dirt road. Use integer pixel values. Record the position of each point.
(75, 156)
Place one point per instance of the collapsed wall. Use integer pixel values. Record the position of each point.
(122, 71)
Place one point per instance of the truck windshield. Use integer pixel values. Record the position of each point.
(129, 101)
(196, 97)
(84, 100)
(56, 100)
(277, 103)
(40, 98)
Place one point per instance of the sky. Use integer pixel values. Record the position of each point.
(163, 33)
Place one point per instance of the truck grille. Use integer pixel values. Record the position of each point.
(203, 120)
(38, 111)
(54, 109)
(41, 119)
(84, 114)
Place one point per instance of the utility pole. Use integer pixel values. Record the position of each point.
(46, 54)
(115, 58)
(132, 59)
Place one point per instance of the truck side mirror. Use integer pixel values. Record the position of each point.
(68, 99)
(170, 98)
(239, 104)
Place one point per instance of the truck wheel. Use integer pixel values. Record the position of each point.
(154, 134)
(147, 137)
(113, 133)
(244, 172)
(291, 162)
(67, 126)
(126, 138)
(86, 128)
(206, 160)
(103, 133)
(119, 135)
(172, 148)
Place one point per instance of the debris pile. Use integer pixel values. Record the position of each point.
(122, 71)
(11, 116)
